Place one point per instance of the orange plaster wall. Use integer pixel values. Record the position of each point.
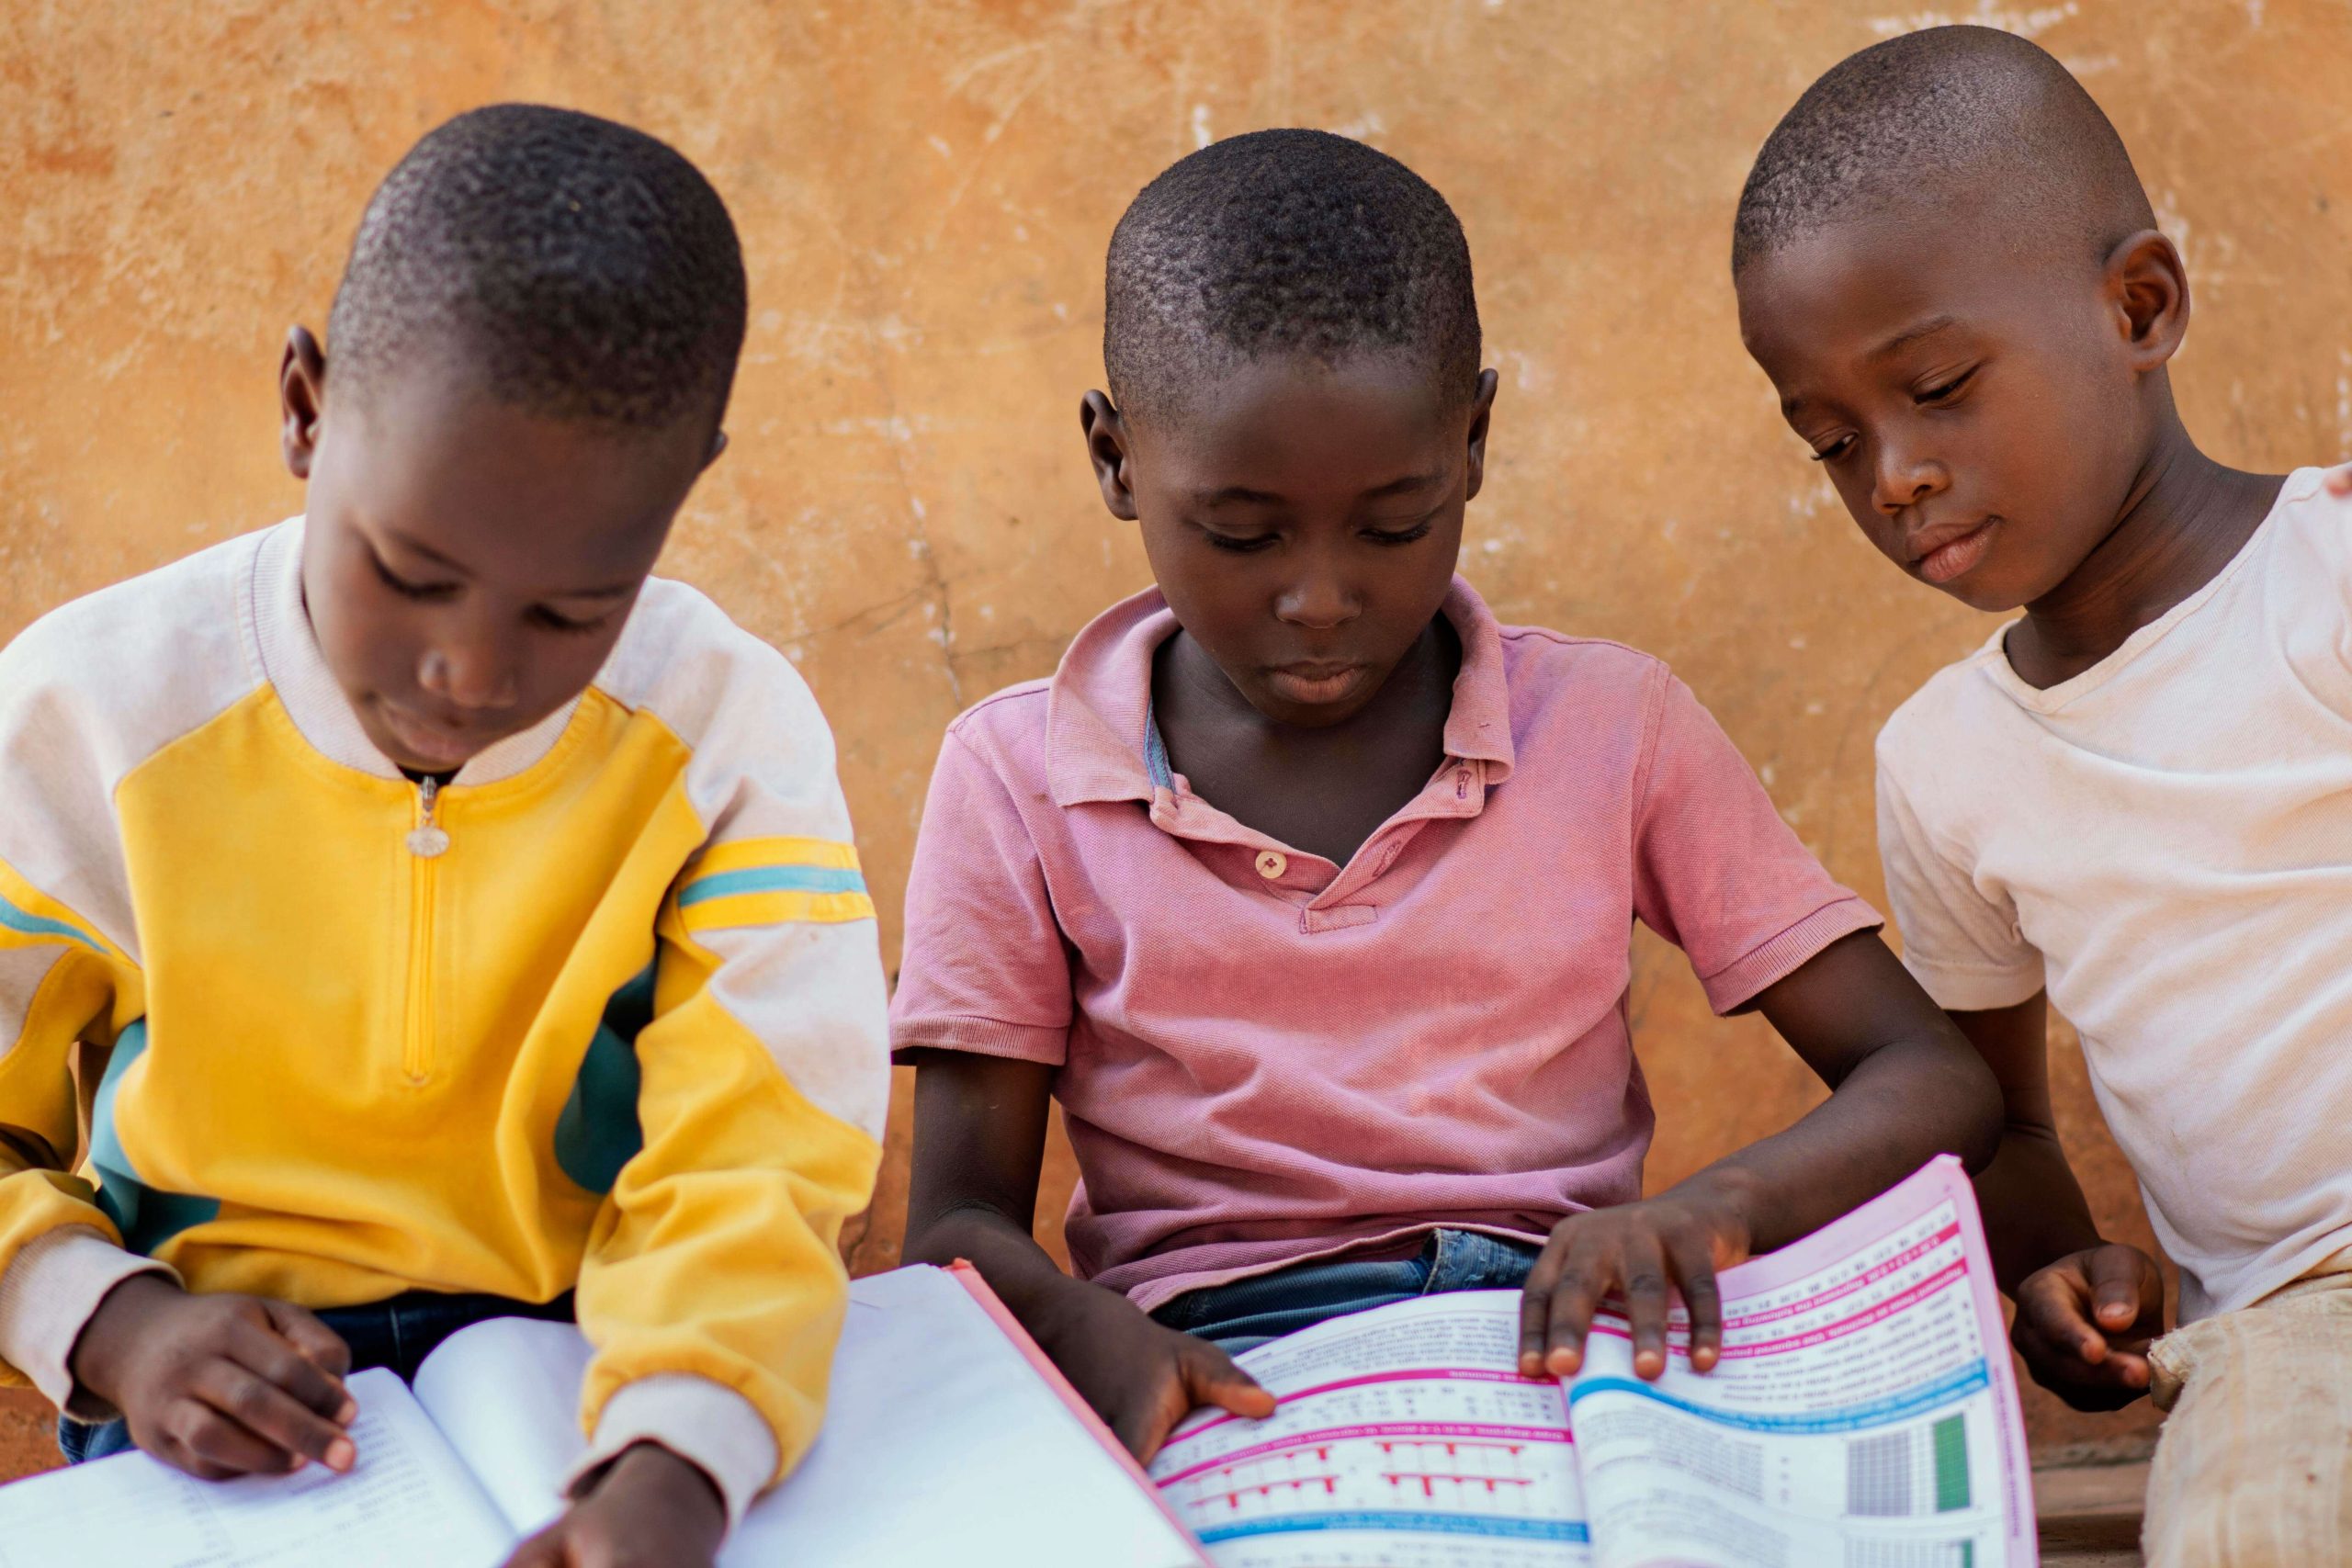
(925, 191)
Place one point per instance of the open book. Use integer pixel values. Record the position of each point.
(947, 1438)
(1863, 1416)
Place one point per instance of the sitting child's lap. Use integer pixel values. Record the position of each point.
(1247, 1312)
(2254, 1465)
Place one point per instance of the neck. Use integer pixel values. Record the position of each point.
(2183, 518)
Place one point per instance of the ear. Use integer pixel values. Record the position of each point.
(2147, 291)
(302, 399)
(1106, 448)
(1482, 408)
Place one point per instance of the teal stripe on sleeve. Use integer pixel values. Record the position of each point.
(31, 924)
(147, 1216)
(773, 879)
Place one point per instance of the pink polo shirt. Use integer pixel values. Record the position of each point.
(1264, 1057)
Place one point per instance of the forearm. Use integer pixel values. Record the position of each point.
(1023, 1274)
(2034, 1210)
(1903, 1104)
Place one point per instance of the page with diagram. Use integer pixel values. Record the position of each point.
(1863, 1416)
(1405, 1438)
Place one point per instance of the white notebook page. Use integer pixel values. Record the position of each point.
(941, 1444)
(408, 1501)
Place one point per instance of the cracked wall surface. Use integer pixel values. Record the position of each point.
(925, 192)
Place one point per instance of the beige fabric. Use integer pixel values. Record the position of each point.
(2255, 1466)
(2165, 841)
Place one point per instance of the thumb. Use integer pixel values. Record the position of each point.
(2115, 1278)
(2339, 479)
(1212, 1378)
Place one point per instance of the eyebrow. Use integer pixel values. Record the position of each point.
(1243, 495)
(1912, 335)
(418, 547)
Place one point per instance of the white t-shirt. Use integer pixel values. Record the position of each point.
(2165, 841)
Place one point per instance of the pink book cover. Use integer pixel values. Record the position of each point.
(1010, 1327)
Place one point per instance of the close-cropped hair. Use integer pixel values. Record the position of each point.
(578, 268)
(1285, 241)
(1928, 115)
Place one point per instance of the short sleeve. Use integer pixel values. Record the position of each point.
(1715, 870)
(984, 967)
(1959, 941)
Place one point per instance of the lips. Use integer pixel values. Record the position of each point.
(1949, 550)
(1316, 683)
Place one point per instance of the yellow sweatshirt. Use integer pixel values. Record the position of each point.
(623, 1031)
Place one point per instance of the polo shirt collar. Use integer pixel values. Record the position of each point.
(1100, 737)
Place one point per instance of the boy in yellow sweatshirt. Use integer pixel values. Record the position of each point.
(439, 917)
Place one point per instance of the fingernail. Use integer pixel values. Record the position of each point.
(299, 1461)
(343, 1418)
(340, 1453)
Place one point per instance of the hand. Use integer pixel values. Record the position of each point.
(646, 1509)
(1142, 1377)
(1679, 1240)
(2084, 1324)
(2339, 480)
(219, 1385)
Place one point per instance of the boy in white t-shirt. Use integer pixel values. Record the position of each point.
(2136, 800)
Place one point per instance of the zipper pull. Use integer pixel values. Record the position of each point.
(427, 840)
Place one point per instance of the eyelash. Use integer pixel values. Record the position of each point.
(547, 618)
(1933, 397)
(1419, 531)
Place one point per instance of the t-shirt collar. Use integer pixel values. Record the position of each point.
(1100, 739)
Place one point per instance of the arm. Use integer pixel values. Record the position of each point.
(2087, 1307)
(712, 1288)
(1904, 1088)
(979, 1138)
(1719, 873)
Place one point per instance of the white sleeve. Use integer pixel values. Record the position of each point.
(1961, 940)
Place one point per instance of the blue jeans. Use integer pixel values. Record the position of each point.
(1246, 1314)
(398, 1333)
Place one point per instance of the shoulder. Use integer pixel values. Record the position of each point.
(1951, 708)
(2314, 521)
(1012, 721)
(1547, 667)
(685, 661)
(133, 666)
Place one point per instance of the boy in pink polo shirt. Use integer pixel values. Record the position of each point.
(1306, 886)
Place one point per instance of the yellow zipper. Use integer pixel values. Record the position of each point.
(427, 840)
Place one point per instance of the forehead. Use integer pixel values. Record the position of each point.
(538, 504)
(1290, 422)
(1868, 286)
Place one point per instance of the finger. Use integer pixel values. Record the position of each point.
(1646, 1305)
(2339, 480)
(2051, 1304)
(1211, 1377)
(265, 1411)
(544, 1549)
(1694, 1269)
(274, 1357)
(1569, 1317)
(2116, 1276)
(314, 1339)
(216, 1440)
(1535, 1305)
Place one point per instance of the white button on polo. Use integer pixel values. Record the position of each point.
(1272, 863)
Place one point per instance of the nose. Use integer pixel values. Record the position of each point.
(1319, 599)
(1905, 479)
(470, 668)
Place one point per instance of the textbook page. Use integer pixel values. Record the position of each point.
(407, 1501)
(939, 1444)
(1863, 1414)
(1405, 1438)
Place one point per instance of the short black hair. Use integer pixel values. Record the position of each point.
(587, 271)
(1285, 241)
(1906, 123)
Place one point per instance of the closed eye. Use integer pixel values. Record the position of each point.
(405, 588)
(1945, 393)
(1238, 547)
(1405, 536)
(1834, 450)
(567, 624)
